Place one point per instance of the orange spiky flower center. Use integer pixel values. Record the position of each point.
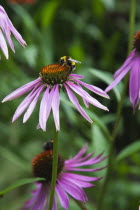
(42, 165)
(136, 42)
(55, 73)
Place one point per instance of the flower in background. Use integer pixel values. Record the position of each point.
(53, 78)
(131, 64)
(22, 1)
(7, 28)
(67, 183)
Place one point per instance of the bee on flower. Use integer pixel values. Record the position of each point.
(52, 79)
(67, 183)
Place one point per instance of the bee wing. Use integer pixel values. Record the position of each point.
(70, 59)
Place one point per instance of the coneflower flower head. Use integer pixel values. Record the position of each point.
(131, 64)
(7, 28)
(53, 78)
(67, 183)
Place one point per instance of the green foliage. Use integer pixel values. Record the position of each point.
(96, 33)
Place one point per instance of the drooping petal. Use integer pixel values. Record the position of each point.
(76, 76)
(84, 169)
(47, 109)
(77, 182)
(43, 104)
(79, 155)
(86, 96)
(32, 105)
(125, 64)
(75, 101)
(119, 77)
(64, 199)
(134, 83)
(35, 194)
(24, 104)
(22, 90)
(3, 45)
(80, 177)
(88, 162)
(54, 204)
(55, 107)
(75, 191)
(40, 201)
(8, 36)
(93, 88)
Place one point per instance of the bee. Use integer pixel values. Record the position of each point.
(48, 146)
(67, 64)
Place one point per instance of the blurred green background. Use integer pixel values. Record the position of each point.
(94, 32)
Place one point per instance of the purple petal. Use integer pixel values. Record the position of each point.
(55, 107)
(126, 63)
(83, 169)
(75, 191)
(76, 76)
(88, 162)
(93, 88)
(75, 101)
(24, 104)
(86, 96)
(33, 104)
(54, 204)
(43, 106)
(77, 182)
(134, 83)
(80, 177)
(119, 77)
(47, 109)
(64, 199)
(40, 200)
(35, 194)
(79, 154)
(3, 45)
(22, 90)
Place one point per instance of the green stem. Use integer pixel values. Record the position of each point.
(118, 114)
(54, 169)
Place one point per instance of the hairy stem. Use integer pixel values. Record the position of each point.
(54, 170)
(119, 112)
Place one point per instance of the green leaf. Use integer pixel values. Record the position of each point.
(129, 150)
(106, 77)
(20, 183)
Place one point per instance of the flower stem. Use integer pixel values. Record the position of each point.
(119, 112)
(54, 169)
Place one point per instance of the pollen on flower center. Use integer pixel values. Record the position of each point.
(42, 165)
(137, 41)
(55, 73)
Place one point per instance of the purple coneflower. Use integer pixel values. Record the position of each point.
(66, 183)
(7, 27)
(131, 64)
(53, 78)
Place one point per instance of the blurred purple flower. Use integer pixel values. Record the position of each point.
(67, 183)
(131, 64)
(7, 28)
(53, 78)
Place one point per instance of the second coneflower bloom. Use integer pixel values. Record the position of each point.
(7, 28)
(68, 182)
(131, 64)
(53, 78)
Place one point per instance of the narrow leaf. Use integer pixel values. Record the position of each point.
(129, 150)
(19, 183)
